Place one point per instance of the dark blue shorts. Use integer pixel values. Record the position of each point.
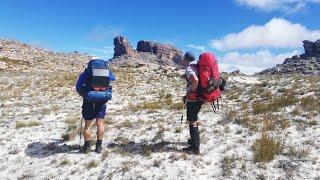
(92, 110)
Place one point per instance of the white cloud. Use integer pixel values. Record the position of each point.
(273, 5)
(277, 33)
(250, 63)
(197, 47)
(103, 53)
(101, 33)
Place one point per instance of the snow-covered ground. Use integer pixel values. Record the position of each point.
(144, 136)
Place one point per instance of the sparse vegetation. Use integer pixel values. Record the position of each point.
(300, 151)
(147, 151)
(119, 150)
(23, 124)
(64, 162)
(126, 166)
(122, 140)
(26, 175)
(105, 154)
(92, 164)
(227, 164)
(260, 107)
(157, 162)
(73, 123)
(266, 148)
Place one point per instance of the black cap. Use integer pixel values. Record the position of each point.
(188, 56)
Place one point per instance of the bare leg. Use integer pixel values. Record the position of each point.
(100, 129)
(86, 130)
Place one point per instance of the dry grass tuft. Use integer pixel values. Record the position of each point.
(73, 128)
(157, 163)
(147, 151)
(227, 164)
(22, 124)
(92, 164)
(300, 151)
(266, 148)
(64, 162)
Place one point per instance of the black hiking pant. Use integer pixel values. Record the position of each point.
(193, 109)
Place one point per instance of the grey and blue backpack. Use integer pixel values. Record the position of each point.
(98, 74)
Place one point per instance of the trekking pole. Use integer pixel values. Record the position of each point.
(213, 107)
(80, 133)
(184, 106)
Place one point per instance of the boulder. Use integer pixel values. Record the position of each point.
(312, 49)
(236, 72)
(165, 52)
(168, 52)
(145, 46)
(122, 47)
(309, 48)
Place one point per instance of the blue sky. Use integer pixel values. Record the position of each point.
(246, 34)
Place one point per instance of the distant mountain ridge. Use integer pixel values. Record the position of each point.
(15, 55)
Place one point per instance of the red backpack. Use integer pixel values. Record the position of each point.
(209, 80)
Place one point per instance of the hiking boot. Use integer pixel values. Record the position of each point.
(194, 141)
(86, 147)
(98, 146)
(190, 150)
(98, 149)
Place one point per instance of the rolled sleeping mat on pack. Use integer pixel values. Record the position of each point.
(98, 96)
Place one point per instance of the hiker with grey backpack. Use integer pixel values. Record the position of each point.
(94, 85)
(203, 86)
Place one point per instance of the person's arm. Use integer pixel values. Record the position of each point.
(112, 77)
(194, 82)
(80, 82)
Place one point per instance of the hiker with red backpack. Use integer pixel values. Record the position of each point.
(204, 85)
(94, 85)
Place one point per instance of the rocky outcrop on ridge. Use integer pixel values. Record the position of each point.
(307, 63)
(122, 47)
(163, 51)
(147, 52)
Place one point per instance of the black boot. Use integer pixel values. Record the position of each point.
(98, 146)
(86, 147)
(194, 141)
